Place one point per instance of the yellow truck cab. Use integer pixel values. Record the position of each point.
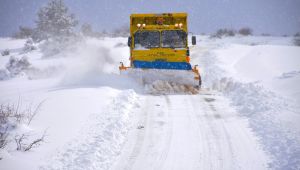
(160, 41)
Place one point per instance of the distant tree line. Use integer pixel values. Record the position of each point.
(55, 21)
(224, 32)
(297, 39)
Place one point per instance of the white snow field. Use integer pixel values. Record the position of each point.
(246, 116)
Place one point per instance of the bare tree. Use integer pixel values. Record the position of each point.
(32, 114)
(265, 34)
(123, 31)
(245, 31)
(3, 138)
(24, 32)
(35, 142)
(19, 139)
(23, 144)
(5, 52)
(297, 41)
(223, 33)
(10, 117)
(86, 29)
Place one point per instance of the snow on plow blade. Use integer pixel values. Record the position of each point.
(164, 80)
(148, 76)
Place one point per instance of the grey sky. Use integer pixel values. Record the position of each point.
(263, 16)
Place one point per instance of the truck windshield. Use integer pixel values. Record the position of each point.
(146, 39)
(173, 39)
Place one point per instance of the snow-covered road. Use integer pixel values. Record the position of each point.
(190, 132)
(96, 119)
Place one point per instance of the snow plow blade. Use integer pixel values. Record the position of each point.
(189, 79)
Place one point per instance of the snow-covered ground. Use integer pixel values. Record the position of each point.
(260, 75)
(246, 116)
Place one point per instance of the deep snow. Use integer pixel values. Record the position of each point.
(259, 76)
(246, 116)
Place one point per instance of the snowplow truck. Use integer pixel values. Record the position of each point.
(159, 49)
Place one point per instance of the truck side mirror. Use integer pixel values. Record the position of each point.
(129, 41)
(193, 40)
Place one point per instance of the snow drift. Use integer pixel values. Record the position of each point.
(256, 78)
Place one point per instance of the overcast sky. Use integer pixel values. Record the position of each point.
(263, 16)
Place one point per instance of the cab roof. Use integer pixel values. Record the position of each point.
(159, 15)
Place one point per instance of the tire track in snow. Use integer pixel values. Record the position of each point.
(184, 147)
(212, 117)
(194, 132)
(139, 142)
(228, 137)
(204, 125)
(197, 129)
(205, 146)
(216, 137)
(166, 148)
(137, 147)
(218, 120)
(157, 125)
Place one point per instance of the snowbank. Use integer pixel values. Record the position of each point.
(86, 103)
(100, 139)
(260, 62)
(260, 77)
